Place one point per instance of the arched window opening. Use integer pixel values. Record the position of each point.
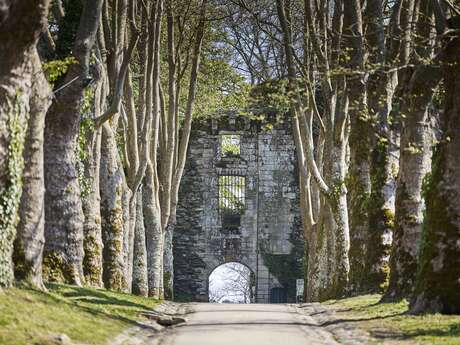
(232, 282)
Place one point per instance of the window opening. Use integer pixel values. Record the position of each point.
(230, 145)
(231, 200)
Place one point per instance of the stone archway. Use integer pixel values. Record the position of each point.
(239, 202)
(231, 282)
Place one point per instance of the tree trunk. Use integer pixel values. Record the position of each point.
(438, 287)
(153, 234)
(140, 281)
(359, 179)
(92, 243)
(168, 258)
(20, 27)
(338, 228)
(129, 222)
(63, 254)
(30, 238)
(415, 163)
(112, 188)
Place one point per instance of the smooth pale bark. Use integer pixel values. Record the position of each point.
(153, 234)
(415, 163)
(92, 243)
(30, 237)
(129, 222)
(335, 219)
(113, 233)
(139, 281)
(437, 285)
(168, 258)
(20, 27)
(63, 255)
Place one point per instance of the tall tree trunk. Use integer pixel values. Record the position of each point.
(415, 163)
(63, 254)
(20, 27)
(153, 234)
(438, 286)
(129, 222)
(168, 258)
(359, 179)
(140, 280)
(385, 148)
(92, 243)
(112, 188)
(30, 237)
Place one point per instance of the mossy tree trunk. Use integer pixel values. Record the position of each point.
(139, 281)
(30, 237)
(112, 181)
(129, 222)
(359, 180)
(397, 49)
(63, 254)
(438, 285)
(415, 163)
(92, 263)
(20, 27)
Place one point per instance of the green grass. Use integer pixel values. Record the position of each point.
(86, 315)
(390, 321)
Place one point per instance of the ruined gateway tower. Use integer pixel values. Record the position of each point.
(239, 202)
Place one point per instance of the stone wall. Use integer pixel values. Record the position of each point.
(270, 223)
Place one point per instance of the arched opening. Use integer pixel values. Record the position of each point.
(231, 282)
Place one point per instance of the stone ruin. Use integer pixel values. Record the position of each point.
(239, 202)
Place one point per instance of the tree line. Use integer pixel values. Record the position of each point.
(372, 90)
(96, 105)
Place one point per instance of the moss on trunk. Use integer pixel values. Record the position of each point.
(11, 187)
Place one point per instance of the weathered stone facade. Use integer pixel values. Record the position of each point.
(268, 239)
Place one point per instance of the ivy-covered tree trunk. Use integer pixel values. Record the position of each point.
(112, 188)
(438, 285)
(139, 280)
(92, 263)
(20, 27)
(30, 237)
(415, 163)
(63, 254)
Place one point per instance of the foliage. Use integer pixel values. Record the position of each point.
(57, 68)
(86, 315)
(231, 193)
(230, 145)
(11, 193)
(86, 129)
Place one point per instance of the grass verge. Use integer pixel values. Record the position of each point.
(390, 323)
(85, 315)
